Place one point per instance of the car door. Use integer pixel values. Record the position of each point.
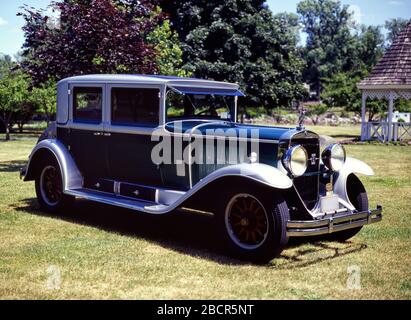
(85, 135)
(134, 114)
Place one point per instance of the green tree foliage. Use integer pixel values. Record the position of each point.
(169, 58)
(340, 89)
(241, 41)
(369, 43)
(330, 45)
(13, 94)
(19, 101)
(394, 27)
(44, 99)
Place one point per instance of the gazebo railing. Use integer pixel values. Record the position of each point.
(380, 131)
(401, 131)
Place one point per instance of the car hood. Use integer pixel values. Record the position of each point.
(219, 128)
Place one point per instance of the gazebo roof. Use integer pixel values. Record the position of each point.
(393, 71)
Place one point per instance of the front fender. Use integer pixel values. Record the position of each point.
(351, 165)
(70, 174)
(259, 172)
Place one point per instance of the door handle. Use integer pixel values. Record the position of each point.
(97, 133)
(107, 134)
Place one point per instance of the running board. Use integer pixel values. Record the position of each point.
(118, 201)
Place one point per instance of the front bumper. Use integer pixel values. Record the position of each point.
(333, 223)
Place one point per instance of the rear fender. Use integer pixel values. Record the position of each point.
(71, 176)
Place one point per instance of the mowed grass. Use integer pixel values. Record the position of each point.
(101, 252)
(336, 132)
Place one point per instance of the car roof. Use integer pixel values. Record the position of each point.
(170, 81)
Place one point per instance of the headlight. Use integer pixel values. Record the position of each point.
(334, 157)
(295, 160)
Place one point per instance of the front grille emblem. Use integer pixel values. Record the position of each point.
(313, 159)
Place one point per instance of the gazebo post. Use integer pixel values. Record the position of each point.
(390, 111)
(363, 123)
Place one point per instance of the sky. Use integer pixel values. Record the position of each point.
(369, 12)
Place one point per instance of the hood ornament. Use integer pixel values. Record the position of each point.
(301, 115)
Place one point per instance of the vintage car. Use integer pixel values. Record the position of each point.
(159, 144)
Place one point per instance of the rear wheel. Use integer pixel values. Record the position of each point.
(252, 225)
(358, 197)
(49, 187)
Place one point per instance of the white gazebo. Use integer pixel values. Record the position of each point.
(390, 79)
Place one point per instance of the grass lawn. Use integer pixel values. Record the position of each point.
(103, 252)
(338, 133)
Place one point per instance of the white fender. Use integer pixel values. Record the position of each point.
(351, 165)
(260, 172)
(70, 174)
(265, 174)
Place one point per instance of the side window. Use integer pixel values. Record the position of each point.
(131, 106)
(87, 104)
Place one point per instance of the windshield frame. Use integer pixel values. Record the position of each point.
(233, 113)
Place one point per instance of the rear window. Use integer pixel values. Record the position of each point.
(87, 104)
(135, 106)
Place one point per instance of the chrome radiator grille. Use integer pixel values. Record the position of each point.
(308, 184)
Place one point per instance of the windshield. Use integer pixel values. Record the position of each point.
(203, 106)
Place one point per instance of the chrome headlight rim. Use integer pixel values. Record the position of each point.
(288, 163)
(331, 159)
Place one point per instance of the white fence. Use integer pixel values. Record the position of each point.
(379, 131)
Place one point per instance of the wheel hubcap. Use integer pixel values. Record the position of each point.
(50, 185)
(246, 221)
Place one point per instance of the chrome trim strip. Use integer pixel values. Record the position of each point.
(333, 223)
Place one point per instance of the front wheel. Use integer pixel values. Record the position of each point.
(253, 226)
(49, 188)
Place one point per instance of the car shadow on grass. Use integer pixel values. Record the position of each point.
(310, 251)
(186, 233)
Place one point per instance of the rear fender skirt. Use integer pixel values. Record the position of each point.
(351, 166)
(71, 176)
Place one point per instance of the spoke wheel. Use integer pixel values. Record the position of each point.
(51, 185)
(246, 221)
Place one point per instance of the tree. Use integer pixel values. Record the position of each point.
(240, 41)
(90, 36)
(44, 99)
(340, 90)
(169, 56)
(329, 45)
(369, 47)
(394, 27)
(13, 93)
